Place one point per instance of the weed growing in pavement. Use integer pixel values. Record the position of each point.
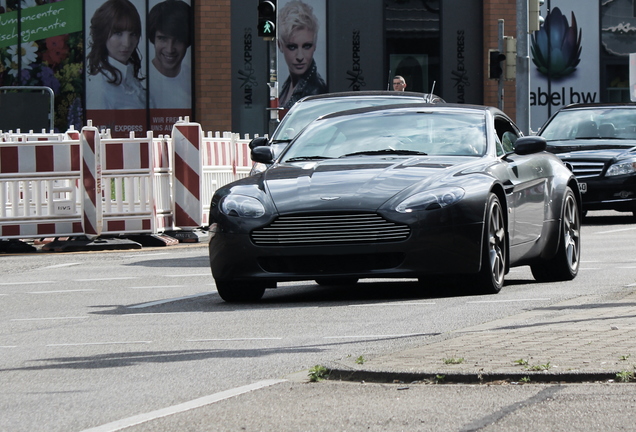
(525, 380)
(318, 373)
(625, 357)
(454, 360)
(625, 376)
(522, 362)
(439, 379)
(360, 360)
(542, 367)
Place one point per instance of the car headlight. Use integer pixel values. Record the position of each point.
(242, 206)
(258, 168)
(434, 199)
(627, 166)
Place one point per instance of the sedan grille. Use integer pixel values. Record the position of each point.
(329, 229)
(586, 169)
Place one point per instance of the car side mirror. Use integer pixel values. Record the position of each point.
(263, 154)
(259, 142)
(530, 144)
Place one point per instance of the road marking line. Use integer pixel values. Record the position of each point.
(61, 291)
(234, 339)
(106, 279)
(616, 230)
(145, 255)
(376, 336)
(188, 275)
(508, 301)
(394, 304)
(25, 283)
(158, 302)
(98, 343)
(158, 286)
(49, 318)
(8, 346)
(186, 406)
(60, 265)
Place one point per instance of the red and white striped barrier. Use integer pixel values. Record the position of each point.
(91, 173)
(187, 169)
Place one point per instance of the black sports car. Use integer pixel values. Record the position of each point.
(402, 191)
(599, 142)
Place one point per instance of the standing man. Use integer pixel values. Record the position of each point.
(399, 83)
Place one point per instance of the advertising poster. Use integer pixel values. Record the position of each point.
(564, 59)
(138, 64)
(115, 67)
(49, 53)
(302, 50)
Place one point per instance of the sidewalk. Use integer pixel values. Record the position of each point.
(568, 341)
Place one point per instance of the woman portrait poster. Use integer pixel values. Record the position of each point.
(116, 75)
(302, 50)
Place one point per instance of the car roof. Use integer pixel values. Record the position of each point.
(369, 93)
(417, 106)
(599, 105)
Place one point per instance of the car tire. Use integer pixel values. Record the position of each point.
(564, 265)
(494, 248)
(336, 281)
(240, 292)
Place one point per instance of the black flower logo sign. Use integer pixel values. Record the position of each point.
(556, 47)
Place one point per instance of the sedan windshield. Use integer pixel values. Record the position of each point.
(602, 123)
(391, 133)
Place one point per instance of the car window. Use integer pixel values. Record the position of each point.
(507, 135)
(603, 122)
(432, 133)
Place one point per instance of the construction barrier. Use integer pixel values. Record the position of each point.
(87, 183)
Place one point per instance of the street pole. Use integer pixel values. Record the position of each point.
(501, 48)
(523, 69)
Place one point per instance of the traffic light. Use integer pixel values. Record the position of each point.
(267, 18)
(494, 64)
(534, 15)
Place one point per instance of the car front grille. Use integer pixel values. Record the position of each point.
(301, 230)
(584, 169)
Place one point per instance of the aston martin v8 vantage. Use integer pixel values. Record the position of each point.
(408, 191)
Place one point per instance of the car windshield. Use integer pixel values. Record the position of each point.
(603, 123)
(306, 112)
(458, 133)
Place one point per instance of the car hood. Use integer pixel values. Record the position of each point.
(590, 149)
(351, 184)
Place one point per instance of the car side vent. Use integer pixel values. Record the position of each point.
(329, 229)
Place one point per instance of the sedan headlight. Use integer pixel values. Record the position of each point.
(627, 166)
(242, 206)
(434, 199)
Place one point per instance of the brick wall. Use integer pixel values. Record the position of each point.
(494, 10)
(212, 89)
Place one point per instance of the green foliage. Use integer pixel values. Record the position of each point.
(318, 373)
(454, 360)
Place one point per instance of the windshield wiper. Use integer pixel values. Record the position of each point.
(386, 151)
(307, 158)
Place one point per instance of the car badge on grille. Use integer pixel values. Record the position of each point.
(329, 198)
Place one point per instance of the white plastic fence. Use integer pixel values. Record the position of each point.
(43, 192)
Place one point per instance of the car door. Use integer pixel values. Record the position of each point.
(526, 189)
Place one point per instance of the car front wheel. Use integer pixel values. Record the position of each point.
(240, 292)
(564, 265)
(495, 248)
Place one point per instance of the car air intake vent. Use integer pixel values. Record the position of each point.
(586, 169)
(329, 229)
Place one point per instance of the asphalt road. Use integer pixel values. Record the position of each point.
(106, 340)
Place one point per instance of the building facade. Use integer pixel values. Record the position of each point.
(235, 77)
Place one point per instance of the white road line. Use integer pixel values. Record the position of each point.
(188, 275)
(234, 339)
(26, 283)
(61, 291)
(374, 336)
(8, 346)
(145, 255)
(98, 343)
(49, 318)
(394, 304)
(60, 265)
(186, 406)
(158, 302)
(627, 268)
(106, 279)
(158, 286)
(616, 230)
(508, 301)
